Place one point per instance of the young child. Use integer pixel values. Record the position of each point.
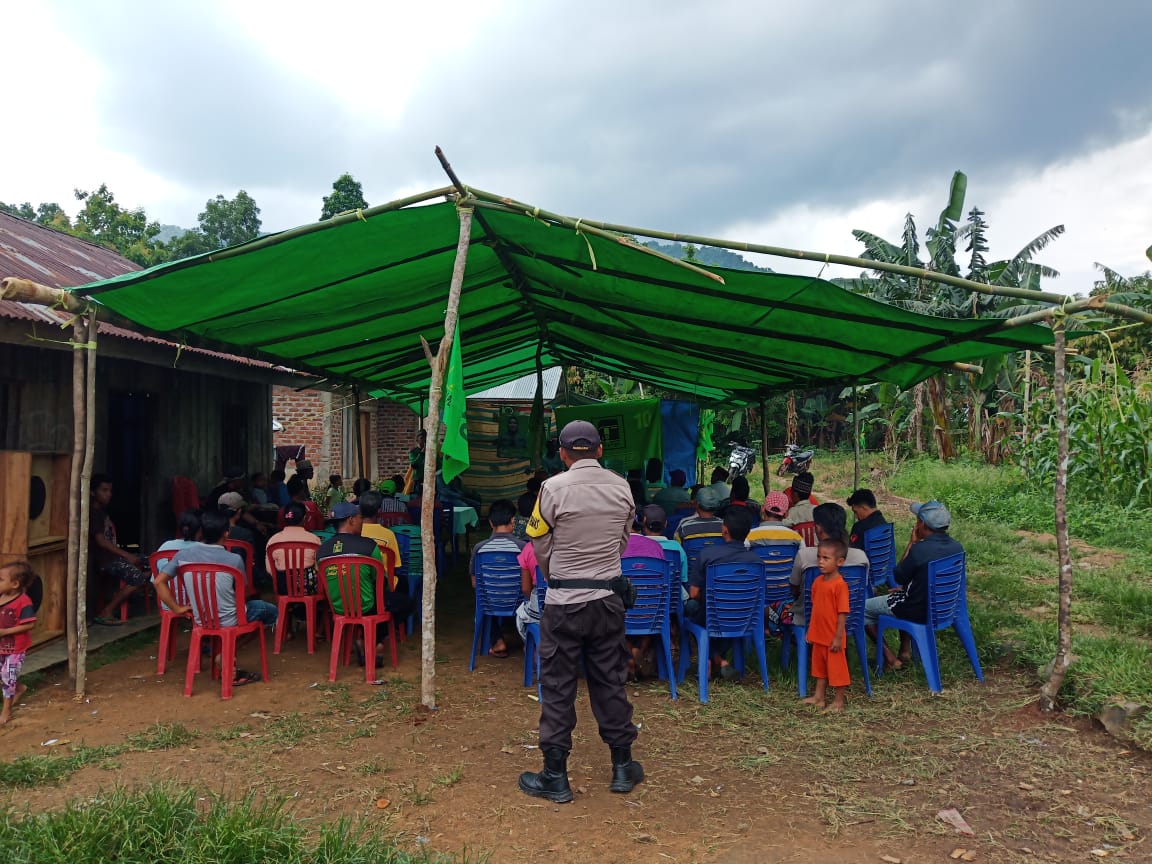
(17, 618)
(826, 627)
(335, 491)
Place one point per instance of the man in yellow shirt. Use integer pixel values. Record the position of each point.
(370, 502)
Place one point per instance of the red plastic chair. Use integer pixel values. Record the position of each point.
(807, 530)
(167, 649)
(185, 496)
(392, 518)
(147, 591)
(347, 588)
(199, 583)
(294, 577)
(246, 551)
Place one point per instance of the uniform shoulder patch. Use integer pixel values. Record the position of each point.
(537, 525)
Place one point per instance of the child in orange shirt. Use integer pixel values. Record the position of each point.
(830, 606)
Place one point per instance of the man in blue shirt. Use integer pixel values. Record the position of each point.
(930, 542)
(736, 525)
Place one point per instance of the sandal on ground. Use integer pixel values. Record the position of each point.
(502, 654)
(104, 621)
(729, 672)
(243, 677)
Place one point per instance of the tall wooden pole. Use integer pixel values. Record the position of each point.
(75, 488)
(361, 456)
(1063, 657)
(431, 452)
(85, 509)
(855, 437)
(764, 444)
(1027, 404)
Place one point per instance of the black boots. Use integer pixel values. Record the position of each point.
(552, 782)
(625, 772)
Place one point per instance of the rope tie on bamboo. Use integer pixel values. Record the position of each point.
(179, 351)
(360, 215)
(588, 243)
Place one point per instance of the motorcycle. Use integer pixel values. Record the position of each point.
(796, 461)
(740, 461)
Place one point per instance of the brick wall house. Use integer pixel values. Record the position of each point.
(322, 422)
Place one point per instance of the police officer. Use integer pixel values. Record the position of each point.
(579, 530)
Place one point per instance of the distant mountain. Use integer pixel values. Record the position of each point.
(710, 255)
(168, 232)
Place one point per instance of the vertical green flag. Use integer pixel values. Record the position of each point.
(455, 447)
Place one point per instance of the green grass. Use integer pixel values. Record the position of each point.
(1012, 581)
(51, 768)
(161, 825)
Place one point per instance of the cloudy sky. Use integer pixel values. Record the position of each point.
(777, 122)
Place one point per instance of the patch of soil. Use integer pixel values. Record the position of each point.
(1083, 554)
(721, 786)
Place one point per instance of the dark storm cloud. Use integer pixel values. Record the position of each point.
(664, 114)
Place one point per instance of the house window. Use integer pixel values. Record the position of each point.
(353, 462)
(235, 437)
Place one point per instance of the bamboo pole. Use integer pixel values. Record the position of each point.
(782, 252)
(85, 508)
(855, 437)
(27, 291)
(1063, 658)
(75, 490)
(1027, 402)
(432, 449)
(361, 460)
(580, 225)
(764, 446)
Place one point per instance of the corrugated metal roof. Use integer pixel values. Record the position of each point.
(59, 260)
(522, 389)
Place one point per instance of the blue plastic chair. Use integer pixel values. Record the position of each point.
(675, 596)
(414, 583)
(650, 615)
(856, 575)
(947, 607)
(532, 639)
(693, 546)
(674, 521)
(734, 609)
(880, 547)
(497, 595)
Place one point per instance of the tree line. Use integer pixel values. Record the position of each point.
(223, 222)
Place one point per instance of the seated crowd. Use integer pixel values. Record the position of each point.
(677, 515)
(255, 516)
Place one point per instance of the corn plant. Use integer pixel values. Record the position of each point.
(1109, 433)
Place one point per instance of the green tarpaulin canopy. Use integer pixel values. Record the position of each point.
(350, 300)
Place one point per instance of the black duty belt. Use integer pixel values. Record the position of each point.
(599, 584)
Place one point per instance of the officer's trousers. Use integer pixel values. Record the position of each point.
(594, 631)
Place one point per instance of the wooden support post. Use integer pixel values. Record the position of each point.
(75, 489)
(431, 451)
(1027, 405)
(764, 444)
(1063, 658)
(361, 457)
(89, 420)
(855, 437)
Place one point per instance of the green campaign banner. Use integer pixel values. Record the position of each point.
(455, 446)
(630, 431)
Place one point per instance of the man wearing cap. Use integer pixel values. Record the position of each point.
(800, 499)
(390, 503)
(579, 530)
(347, 520)
(705, 523)
(233, 482)
(863, 504)
(930, 542)
(675, 495)
(772, 528)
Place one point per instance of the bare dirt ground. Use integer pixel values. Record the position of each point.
(750, 777)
